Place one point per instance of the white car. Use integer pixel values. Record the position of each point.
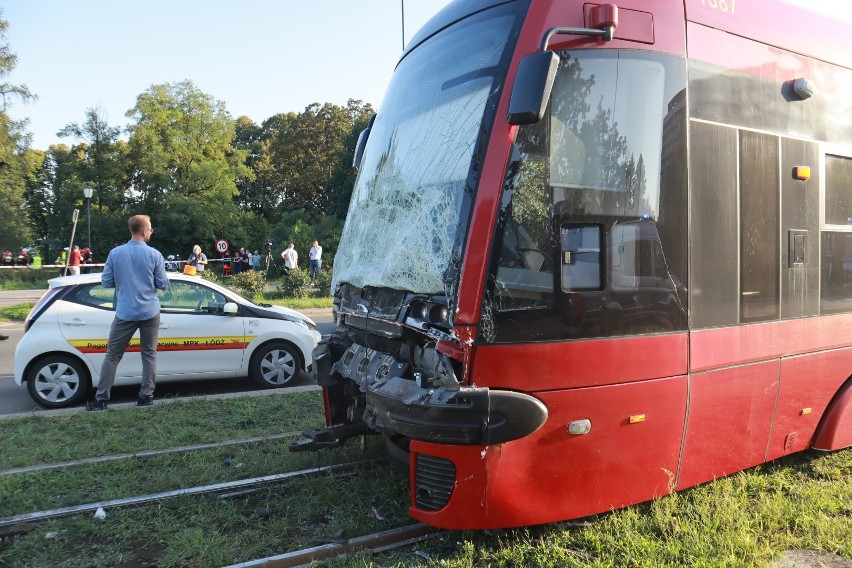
(206, 332)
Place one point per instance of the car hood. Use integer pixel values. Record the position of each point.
(287, 312)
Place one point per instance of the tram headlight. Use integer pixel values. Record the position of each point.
(421, 311)
(439, 314)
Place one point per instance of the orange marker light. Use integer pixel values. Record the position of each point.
(801, 172)
(636, 418)
(806, 411)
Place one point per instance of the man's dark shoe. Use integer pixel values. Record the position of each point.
(2, 337)
(96, 404)
(145, 401)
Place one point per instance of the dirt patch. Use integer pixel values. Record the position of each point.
(811, 559)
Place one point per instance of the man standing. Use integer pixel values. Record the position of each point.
(136, 271)
(74, 260)
(291, 257)
(315, 254)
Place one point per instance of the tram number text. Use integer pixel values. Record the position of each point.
(725, 6)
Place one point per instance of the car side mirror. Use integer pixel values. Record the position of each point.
(531, 91)
(230, 308)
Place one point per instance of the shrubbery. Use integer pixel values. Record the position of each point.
(250, 283)
(26, 278)
(295, 283)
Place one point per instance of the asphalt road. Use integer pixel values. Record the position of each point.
(15, 399)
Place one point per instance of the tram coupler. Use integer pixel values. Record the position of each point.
(331, 437)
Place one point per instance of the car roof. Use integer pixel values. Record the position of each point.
(96, 277)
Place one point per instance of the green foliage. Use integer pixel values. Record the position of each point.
(249, 283)
(26, 278)
(302, 161)
(185, 166)
(16, 227)
(323, 282)
(295, 283)
(198, 173)
(18, 312)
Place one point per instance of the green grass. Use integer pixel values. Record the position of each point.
(52, 438)
(748, 519)
(17, 312)
(300, 303)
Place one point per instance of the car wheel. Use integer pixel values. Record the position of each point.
(275, 365)
(57, 381)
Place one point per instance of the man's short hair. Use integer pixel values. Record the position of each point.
(137, 223)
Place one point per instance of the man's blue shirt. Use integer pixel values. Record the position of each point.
(136, 271)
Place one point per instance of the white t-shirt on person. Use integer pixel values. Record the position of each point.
(291, 258)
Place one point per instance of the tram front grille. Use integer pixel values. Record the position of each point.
(434, 481)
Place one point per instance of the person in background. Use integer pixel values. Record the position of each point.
(237, 262)
(315, 254)
(255, 261)
(60, 261)
(136, 271)
(197, 259)
(87, 261)
(245, 260)
(74, 260)
(291, 257)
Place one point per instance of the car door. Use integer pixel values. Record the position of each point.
(196, 337)
(84, 316)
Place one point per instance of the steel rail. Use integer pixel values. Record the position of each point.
(145, 454)
(377, 542)
(39, 516)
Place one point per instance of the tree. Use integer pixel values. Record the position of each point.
(17, 230)
(301, 156)
(102, 158)
(8, 60)
(184, 167)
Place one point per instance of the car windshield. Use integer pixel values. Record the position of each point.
(407, 207)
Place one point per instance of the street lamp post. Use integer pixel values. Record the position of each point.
(87, 193)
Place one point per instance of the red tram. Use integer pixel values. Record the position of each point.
(597, 253)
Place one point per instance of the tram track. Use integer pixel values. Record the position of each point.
(237, 486)
(382, 541)
(147, 454)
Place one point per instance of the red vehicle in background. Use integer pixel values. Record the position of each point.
(596, 253)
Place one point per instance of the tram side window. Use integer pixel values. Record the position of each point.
(836, 261)
(838, 190)
(581, 258)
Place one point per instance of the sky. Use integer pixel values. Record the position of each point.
(259, 57)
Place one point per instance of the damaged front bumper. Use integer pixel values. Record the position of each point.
(371, 391)
(465, 416)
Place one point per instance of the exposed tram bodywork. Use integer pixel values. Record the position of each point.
(597, 253)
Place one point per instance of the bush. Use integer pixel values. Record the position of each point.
(250, 283)
(26, 278)
(323, 284)
(212, 275)
(295, 283)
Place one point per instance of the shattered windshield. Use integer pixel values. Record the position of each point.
(408, 202)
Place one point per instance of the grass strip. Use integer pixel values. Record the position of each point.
(56, 489)
(210, 531)
(38, 439)
(16, 312)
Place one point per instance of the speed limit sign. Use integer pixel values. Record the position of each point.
(222, 246)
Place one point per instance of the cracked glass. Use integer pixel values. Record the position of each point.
(407, 218)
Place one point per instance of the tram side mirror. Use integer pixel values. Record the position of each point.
(533, 83)
(362, 143)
